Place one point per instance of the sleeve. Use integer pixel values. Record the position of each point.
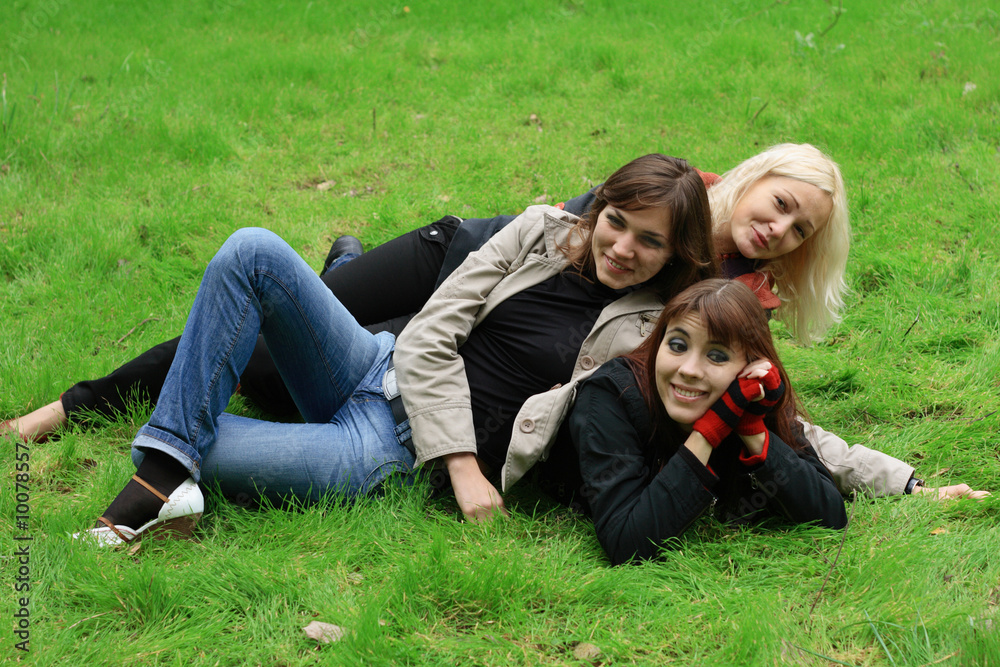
(796, 486)
(429, 369)
(634, 515)
(858, 468)
(471, 235)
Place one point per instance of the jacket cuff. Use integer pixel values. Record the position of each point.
(748, 459)
(705, 475)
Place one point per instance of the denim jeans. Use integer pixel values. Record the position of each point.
(332, 367)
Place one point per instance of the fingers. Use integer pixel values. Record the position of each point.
(756, 369)
(476, 513)
(953, 492)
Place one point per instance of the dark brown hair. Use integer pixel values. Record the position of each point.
(653, 181)
(734, 317)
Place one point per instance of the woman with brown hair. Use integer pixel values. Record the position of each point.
(700, 416)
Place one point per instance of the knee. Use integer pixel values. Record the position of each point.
(243, 247)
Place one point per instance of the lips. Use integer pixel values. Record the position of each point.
(760, 239)
(615, 266)
(686, 394)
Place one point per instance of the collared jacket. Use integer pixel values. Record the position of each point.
(640, 504)
(431, 373)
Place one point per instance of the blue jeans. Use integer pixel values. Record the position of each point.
(332, 367)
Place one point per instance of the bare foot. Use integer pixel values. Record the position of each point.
(36, 426)
(951, 492)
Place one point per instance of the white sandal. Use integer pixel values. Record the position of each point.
(179, 514)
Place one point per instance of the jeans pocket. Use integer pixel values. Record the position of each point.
(399, 470)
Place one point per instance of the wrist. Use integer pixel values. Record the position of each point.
(699, 445)
(464, 465)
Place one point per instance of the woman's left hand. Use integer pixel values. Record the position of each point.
(770, 386)
(756, 370)
(952, 492)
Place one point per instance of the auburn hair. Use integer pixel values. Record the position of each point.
(733, 316)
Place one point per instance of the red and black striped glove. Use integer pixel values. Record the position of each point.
(723, 417)
(753, 416)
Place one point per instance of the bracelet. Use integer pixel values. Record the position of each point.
(912, 484)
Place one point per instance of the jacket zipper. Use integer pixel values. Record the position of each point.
(711, 512)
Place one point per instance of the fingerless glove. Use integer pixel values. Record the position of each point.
(753, 417)
(724, 416)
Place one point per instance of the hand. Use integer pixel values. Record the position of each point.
(477, 498)
(770, 389)
(724, 416)
(951, 492)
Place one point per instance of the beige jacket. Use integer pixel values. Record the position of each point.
(435, 391)
(431, 373)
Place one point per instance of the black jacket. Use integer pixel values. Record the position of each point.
(637, 505)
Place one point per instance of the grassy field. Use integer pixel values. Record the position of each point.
(135, 137)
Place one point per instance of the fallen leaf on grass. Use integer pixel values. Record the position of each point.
(939, 530)
(324, 632)
(325, 185)
(939, 472)
(586, 651)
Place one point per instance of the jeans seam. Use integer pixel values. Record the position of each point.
(205, 411)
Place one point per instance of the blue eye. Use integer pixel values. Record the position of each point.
(800, 231)
(781, 203)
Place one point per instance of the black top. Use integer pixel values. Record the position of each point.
(525, 346)
(638, 503)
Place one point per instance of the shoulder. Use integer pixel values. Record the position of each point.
(614, 384)
(737, 267)
(614, 373)
(542, 227)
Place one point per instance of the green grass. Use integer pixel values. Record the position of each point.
(135, 137)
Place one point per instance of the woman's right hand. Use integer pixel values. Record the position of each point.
(728, 411)
(477, 498)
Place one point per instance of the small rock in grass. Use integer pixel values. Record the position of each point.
(324, 632)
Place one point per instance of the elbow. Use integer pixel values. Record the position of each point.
(837, 520)
(634, 549)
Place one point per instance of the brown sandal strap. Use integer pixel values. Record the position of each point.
(150, 487)
(115, 530)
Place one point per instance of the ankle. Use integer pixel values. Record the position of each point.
(162, 471)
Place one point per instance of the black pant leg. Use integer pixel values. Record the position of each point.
(382, 289)
(397, 277)
(137, 380)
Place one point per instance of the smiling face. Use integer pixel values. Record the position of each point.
(692, 371)
(775, 216)
(630, 247)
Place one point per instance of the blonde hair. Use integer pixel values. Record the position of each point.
(810, 279)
